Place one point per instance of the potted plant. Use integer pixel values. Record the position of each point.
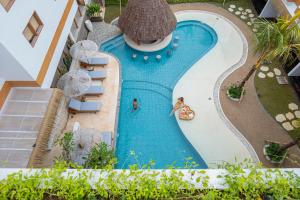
(273, 153)
(94, 12)
(276, 153)
(235, 92)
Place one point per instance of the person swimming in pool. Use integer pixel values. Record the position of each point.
(178, 105)
(135, 104)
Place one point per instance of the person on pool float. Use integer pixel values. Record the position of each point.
(135, 104)
(178, 105)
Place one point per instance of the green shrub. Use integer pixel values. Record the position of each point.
(92, 9)
(56, 183)
(66, 142)
(274, 153)
(99, 157)
(235, 91)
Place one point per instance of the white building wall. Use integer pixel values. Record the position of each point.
(59, 48)
(269, 10)
(10, 68)
(15, 20)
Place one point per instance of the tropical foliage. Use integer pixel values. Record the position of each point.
(93, 9)
(278, 40)
(234, 91)
(66, 142)
(57, 183)
(99, 157)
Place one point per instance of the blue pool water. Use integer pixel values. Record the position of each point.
(150, 132)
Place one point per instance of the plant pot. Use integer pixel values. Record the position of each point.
(268, 158)
(230, 97)
(96, 19)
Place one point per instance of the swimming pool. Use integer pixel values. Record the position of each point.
(150, 132)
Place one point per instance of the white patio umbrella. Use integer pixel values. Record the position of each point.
(78, 50)
(74, 83)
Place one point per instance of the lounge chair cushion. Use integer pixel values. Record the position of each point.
(95, 90)
(75, 104)
(97, 74)
(95, 60)
(84, 106)
(90, 106)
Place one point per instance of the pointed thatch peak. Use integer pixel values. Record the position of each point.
(147, 20)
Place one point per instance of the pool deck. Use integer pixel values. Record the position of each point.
(95, 123)
(105, 119)
(248, 116)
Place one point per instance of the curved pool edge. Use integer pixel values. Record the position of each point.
(217, 89)
(115, 134)
(243, 146)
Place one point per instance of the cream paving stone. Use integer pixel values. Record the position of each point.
(240, 9)
(243, 17)
(254, 30)
(297, 114)
(253, 19)
(244, 13)
(232, 6)
(287, 126)
(264, 68)
(248, 10)
(293, 106)
(277, 71)
(296, 123)
(289, 116)
(237, 13)
(249, 23)
(270, 74)
(261, 75)
(251, 15)
(230, 9)
(280, 118)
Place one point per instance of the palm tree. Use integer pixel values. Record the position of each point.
(289, 145)
(275, 41)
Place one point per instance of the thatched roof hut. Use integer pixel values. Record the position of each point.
(147, 20)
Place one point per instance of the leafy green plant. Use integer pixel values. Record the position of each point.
(92, 9)
(99, 157)
(67, 60)
(57, 183)
(66, 142)
(235, 91)
(274, 152)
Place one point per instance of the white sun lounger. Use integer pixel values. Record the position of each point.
(98, 74)
(95, 90)
(77, 106)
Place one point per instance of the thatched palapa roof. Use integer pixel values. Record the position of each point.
(147, 20)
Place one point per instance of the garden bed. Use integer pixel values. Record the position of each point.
(275, 98)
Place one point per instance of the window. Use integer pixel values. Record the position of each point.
(7, 4)
(33, 29)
